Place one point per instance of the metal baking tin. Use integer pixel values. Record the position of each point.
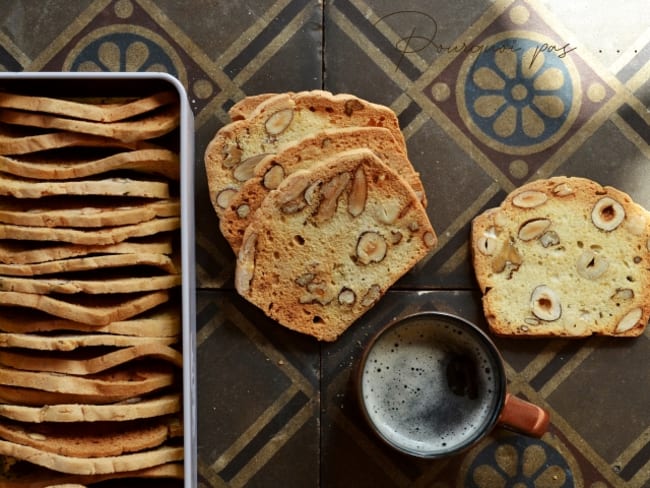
(106, 84)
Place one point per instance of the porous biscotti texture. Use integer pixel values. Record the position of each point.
(564, 257)
(236, 149)
(303, 154)
(329, 241)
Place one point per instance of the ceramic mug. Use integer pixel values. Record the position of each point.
(433, 384)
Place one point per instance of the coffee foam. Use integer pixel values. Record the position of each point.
(408, 387)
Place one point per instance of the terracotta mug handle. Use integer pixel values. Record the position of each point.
(523, 417)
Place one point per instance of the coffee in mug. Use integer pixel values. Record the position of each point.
(433, 384)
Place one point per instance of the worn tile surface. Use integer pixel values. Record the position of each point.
(276, 408)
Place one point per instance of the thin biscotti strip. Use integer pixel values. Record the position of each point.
(101, 236)
(124, 381)
(21, 188)
(38, 398)
(302, 154)
(231, 156)
(74, 412)
(101, 310)
(564, 257)
(32, 361)
(88, 109)
(29, 252)
(98, 286)
(92, 466)
(72, 341)
(150, 126)
(148, 161)
(44, 478)
(88, 263)
(84, 211)
(101, 440)
(327, 244)
(163, 321)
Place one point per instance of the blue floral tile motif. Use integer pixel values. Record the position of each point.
(518, 96)
(521, 462)
(123, 51)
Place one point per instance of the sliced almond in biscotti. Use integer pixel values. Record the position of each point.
(22, 188)
(247, 105)
(39, 477)
(88, 109)
(98, 465)
(233, 153)
(564, 257)
(162, 321)
(56, 166)
(305, 153)
(85, 211)
(101, 236)
(329, 241)
(137, 408)
(148, 126)
(99, 440)
(25, 252)
(88, 362)
(93, 309)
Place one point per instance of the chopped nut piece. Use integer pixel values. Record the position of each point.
(358, 193)
(508, 254)
(246, 263)
(312, 191)
(630, 320)
(347, 297)
(352, 105)
(529, 199)
(607, 214)
(623, 294)
(273, 177)
(487, 244)
(224, 197)
(371, 296)
(278, 122)
(430, 239)
(305, 278)
(395, 237)
(245, 170)
(389, 212)
(331, 191)
(545, 303)
(549, 238)
(371, 247)
(533, 229)
(243, 211)
(591, 265)
(562, 190)
(231, 154)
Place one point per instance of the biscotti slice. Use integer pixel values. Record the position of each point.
(72, 165)
(87, 362)
(236, 149)
(148, 126)
(564, 257)
(99, 465)
(74, 412)
(329, 241)
(305, 153)
(23, 188)
(73, 341)
(88, 109)
(93, 310)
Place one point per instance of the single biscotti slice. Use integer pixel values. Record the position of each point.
(303, 154)
(329, 241)
(564, 257)
(232, 155)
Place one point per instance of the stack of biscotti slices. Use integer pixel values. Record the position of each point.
(564, 257)
(90, 315)
(317, 197)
